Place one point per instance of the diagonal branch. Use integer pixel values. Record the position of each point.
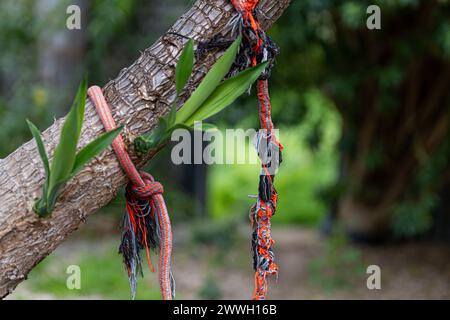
(138, 97)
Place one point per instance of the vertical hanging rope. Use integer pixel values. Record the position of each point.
(146, 224)
(257, 47)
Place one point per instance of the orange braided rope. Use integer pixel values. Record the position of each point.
(142, 187)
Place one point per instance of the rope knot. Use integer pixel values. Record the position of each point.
(149, 189)
(245, 7)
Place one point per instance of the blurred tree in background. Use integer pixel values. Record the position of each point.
(363, 113)
(391, 87)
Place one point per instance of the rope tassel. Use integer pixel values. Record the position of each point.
(146, 223)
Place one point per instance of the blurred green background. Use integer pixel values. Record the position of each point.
(364, 118)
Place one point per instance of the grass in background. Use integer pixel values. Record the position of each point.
(340, 266)
(102, 276)
(309, 166)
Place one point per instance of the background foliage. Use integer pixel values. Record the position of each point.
(363, 114)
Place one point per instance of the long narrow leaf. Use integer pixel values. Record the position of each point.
(209, 83)
(172, 116)
(93, 149)
(53, 195)
(205, 127)
(42, 151)
(184, 67)
(227, 93)
(64, 156)
(79, 103)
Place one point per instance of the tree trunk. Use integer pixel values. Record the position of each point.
(138, 97)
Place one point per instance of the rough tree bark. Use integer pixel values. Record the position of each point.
(138, 97)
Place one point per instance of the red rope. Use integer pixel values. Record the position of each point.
(263, 210)
(142, 187)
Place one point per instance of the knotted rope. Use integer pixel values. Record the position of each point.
(146, 212)
(258, 48)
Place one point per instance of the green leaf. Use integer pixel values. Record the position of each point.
(181, 126)
(65, 152)
(172, 116)
(93, 149)
(40, 207)
(184, 66)
(53, 195)
(154, 138)
(163, 124)
(227, 93)
(42, 152)
(150, 141)
(209, 83)
(79, 103)
(203, 126)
